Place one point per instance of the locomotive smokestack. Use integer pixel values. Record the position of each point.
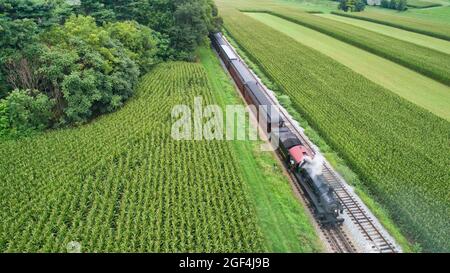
(314, 166)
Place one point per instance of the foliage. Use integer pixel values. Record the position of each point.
(23, 111)
(122, 184)
(43, 13)
(90, 72)
(352, 5)
(140, 42)
(89, 64)
(185, 23)
(378, 133)
(400, 5)
(96, 9)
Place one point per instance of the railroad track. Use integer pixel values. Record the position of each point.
(336, 236)
(338, 240)
(358, 215)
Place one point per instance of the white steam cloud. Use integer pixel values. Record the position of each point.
(314, 166)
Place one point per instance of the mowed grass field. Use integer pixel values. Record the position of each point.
(409, 36)
(434, 22)
(408, 84)
(437, 16)
(422, 4)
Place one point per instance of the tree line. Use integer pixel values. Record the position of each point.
(359, 5)
(64, 62)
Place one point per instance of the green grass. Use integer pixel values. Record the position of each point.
(399, 150)
(422, 4)
(299, 5)
(408, 36)
(439, 14)
(410, 21)
(283, 221)
(411, 85)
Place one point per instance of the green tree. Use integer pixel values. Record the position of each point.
(23, 111)
(401, 5)
(96, 9)
(385, 4)
(99, 73)
(351, 5)
(185, 23)
(393, 4)
(44, 13)
(140, 42)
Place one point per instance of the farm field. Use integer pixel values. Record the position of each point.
(422, 4)
(299, 5)
(408, 36)
(122, 184)
(380, 134)
(408, 84)
(436, 23)
(439, 14)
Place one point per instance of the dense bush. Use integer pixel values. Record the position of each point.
(103, 74)
(399, 5)
(352, 5)
(140, 42)
(23, 111)
(184, 23)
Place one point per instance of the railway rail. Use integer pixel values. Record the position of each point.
(335, 235)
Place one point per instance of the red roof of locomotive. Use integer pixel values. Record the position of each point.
(298, 153)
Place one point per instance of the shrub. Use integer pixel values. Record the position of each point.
(23, 111)
(352, 5)
(140, 42)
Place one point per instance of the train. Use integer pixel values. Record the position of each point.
(297, 158)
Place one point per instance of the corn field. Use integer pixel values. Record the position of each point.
(122, 184)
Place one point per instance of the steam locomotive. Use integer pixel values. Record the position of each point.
(297, 158)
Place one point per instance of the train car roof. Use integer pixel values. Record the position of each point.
(258, 93)
(219, 38)
(287, 138)
(243, 71)
(290, 142)
(262, 99)
(230, 53)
